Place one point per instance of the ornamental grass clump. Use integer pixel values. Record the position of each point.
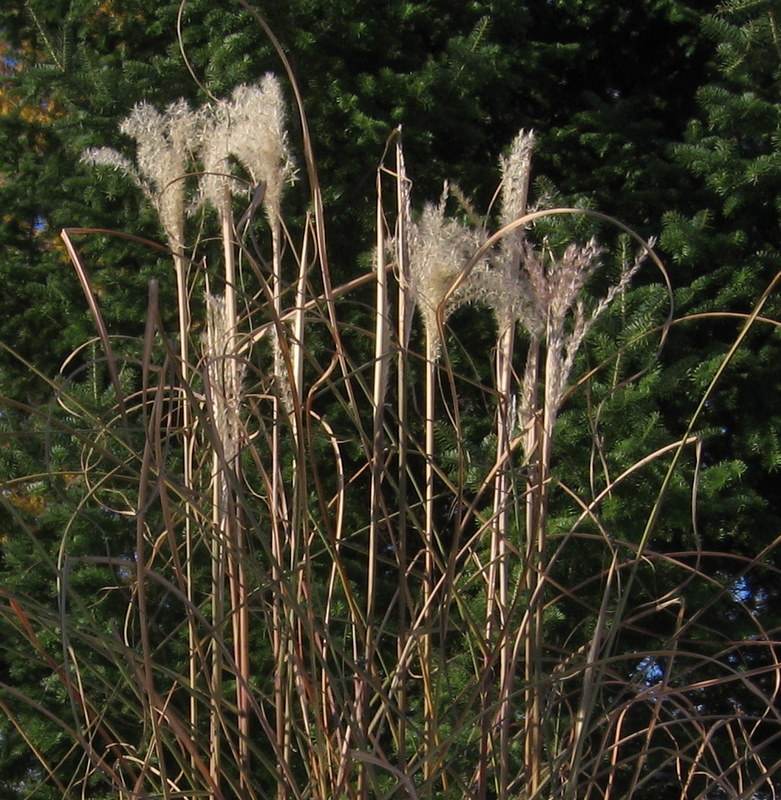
(452, 263)
(171, 149)
(322, 582)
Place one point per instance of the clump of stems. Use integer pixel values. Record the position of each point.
(363, 618)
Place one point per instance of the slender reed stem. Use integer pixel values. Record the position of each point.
(188, 475)
(534, 488)
(500, 551)
(406, 304)
(428, 621)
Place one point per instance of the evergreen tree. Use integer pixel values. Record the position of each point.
(724, 251)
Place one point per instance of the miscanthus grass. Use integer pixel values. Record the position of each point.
(331, 585)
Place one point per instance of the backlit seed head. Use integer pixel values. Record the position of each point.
(249, 127)
(439, 249)
(164, 144)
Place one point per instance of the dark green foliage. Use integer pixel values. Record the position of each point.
(731, 147)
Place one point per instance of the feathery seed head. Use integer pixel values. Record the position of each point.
(250, 127)
(555, 285)
(439, 248)
(520, 283)
(214, 154)
(164, 143)
(259, 138)
(516, 170)
(508, 294)
(566, 276)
